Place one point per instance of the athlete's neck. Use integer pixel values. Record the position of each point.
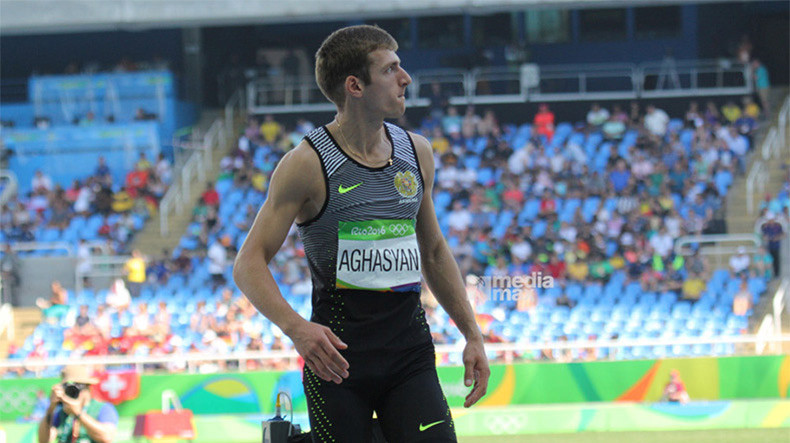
(360, 133)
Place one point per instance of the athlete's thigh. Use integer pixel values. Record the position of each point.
(338, 413)
(416, 411)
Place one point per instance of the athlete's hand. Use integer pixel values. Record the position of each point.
(475, 368)
(318, 345)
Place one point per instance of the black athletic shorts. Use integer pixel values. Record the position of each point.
(401, 387)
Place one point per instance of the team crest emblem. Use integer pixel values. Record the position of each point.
(406, 183)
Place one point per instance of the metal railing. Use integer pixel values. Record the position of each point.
(99, 245)
(514, 85)
(784, 121)
(234, 108)
(11, 186)
(105, 266)
(755, 184)
(7, 321)
(682, 78)
(779, 303)
(775, 146)
(771, 324)
(507, 351)
(766, 330)
(615, 81)
(718, 245)
(198, 162)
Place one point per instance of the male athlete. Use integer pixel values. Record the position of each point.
(359, 190)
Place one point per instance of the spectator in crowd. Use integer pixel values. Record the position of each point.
(270, 129)
(10, 267)
(742, 302)
(141, 321)
(773, 233)
(82, 324)
(750, 108)
(218, 261)
(762, 84)
(614, 128)
(135, 273)
(656, 121)
(163, 171)
(597, 116)
(620, 178)
(544, 122)
(84, 262)
(210, 196)
(743, 52)
(56, 306)
(675, 389)
(763, 263)
(731, 111)
(694, 118)
(41, 183)
(102, 172)
(740, 262)
(137, 179)
(103, 321)
(438, 100)
(451, 122)
(693, 286)
(118, 297)
(662, 243)
(143, 164)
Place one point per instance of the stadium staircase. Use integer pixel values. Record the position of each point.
(25, 322)
(740, 221)
(149, 241)
(738, 218)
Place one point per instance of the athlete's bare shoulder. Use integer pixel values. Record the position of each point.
(299, 164)
(424, 154)
(299, 177)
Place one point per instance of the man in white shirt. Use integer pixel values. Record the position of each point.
(521, 250)
(41, 182)
(740, 262)
(737, 143)
(218, 261)
(519, 160)
(459, 218)
(597, 116)
(662, 243)
(84, 262)
(656, 121)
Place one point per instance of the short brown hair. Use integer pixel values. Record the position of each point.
(345, 52)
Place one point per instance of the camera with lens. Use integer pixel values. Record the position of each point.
(72, 389)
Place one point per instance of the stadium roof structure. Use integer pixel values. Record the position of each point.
(53, 16)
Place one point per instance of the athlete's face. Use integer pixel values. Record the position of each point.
(388, 81)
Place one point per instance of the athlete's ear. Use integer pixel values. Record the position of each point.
(354, 86)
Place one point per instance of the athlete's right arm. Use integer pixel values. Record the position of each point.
(292, 195)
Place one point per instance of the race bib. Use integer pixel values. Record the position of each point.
(378, 255)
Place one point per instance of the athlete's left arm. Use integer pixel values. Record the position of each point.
(444, 278)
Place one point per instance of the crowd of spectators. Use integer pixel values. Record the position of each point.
(48, 209)
(651, 192)
(657, 179)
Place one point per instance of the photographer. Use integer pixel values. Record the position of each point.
(73, 416)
